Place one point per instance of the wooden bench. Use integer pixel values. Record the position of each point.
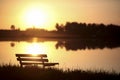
(29, 59)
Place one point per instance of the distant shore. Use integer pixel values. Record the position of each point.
(69, 30)
(42, 34)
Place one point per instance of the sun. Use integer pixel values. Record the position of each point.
(40, 16)
(35, 17)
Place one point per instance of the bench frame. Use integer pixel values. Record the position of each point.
(38, 59)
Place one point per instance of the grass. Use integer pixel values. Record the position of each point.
(13, 72)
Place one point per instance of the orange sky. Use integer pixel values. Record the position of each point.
(61, 11)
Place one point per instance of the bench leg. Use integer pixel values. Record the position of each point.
(43, 66)
(21, 65)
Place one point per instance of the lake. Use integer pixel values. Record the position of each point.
(73, 54)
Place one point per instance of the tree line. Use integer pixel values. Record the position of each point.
(90, 29)
(69, 30)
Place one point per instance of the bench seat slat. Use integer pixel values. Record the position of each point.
(50, 64)
(30, 55)
(30, 63)
(45, 64)
(32, 59)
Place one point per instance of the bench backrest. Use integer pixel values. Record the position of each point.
(32, 58)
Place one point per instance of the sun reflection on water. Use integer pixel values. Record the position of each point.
(35, 39)
(35, 49)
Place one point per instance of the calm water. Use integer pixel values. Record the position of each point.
(69, 54)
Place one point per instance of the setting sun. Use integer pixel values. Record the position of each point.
(35, 17)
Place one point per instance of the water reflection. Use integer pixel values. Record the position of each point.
(87, 57)
(73, 44)
(82, 44)
(12, 44)
(35, 48)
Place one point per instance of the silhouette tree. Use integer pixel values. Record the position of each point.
(59, 28)
(12, 27)
(90, 30)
